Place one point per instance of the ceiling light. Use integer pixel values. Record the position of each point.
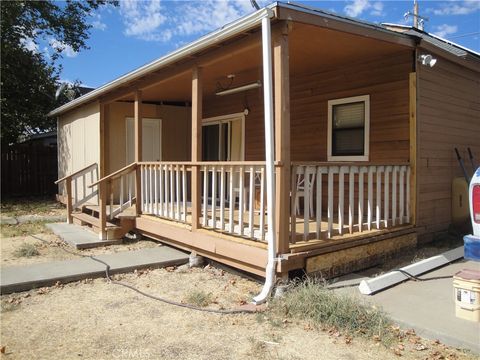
(254, 85)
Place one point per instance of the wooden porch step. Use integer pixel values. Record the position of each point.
(86, 219)
(95, 211)
(113, 231)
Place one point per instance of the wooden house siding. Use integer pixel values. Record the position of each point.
(78, 139)
(254, 121)
(386, 80)
(448, 116)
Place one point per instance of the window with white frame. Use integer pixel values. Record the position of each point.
(348, 129)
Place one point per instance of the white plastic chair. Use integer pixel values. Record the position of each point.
(300, 191)
(236, 190)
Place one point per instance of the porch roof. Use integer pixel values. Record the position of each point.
(276, 10)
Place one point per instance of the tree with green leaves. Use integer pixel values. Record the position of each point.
(30, 76)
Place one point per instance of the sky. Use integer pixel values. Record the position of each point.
(126, 37)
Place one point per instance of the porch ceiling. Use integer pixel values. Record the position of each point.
(315, 49)
(312, 50)
(244, 64)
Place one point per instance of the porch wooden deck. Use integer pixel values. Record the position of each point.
(251, 255)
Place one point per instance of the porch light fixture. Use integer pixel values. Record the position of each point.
(254, 85)
(427, 60)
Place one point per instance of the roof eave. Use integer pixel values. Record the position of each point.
(241, 25)
(347, 24)
(468, 60)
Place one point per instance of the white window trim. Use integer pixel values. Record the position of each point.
(226, 119)
(366, 145)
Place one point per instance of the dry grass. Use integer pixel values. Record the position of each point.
(24, 229)
(311, 301)
(94, 319)
(199, 298)
(30, 206)
(26, 250)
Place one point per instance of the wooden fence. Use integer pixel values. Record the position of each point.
(28, 170)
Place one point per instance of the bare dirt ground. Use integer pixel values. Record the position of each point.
(94, 319)
(51, 249)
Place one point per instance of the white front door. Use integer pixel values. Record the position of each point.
(151, 140)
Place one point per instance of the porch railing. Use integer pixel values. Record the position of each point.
(166, 190)
(80, 188)
(120, 188)
(326, 199)
(341, 198)
(234, 198)
(121, 184)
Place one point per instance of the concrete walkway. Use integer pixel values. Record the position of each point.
(427, 306)
(79, 237)
(22, 278)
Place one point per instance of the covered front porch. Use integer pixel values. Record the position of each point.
(258, 157)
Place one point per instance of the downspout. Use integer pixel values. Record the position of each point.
(269, 159)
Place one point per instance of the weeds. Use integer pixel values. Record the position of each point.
(7, 307)
(257, 349)
(26, 250)
(199, 298)
(311, 301)
(261, 349)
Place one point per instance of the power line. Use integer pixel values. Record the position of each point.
(464, 35)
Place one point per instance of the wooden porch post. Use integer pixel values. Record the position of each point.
(68, 188)
(102, 202)
(282, 138)
(413, 146)
(103, 157)
(197, 99)
(102, 193)
(138, 149)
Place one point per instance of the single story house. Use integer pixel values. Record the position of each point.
(290, 139)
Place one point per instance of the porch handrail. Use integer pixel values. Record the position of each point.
(204, 163)
(116, 174)
(72, 178)
(349, 163)
(76, 173)
(106, 195)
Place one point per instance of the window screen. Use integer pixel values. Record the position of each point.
(348, 129)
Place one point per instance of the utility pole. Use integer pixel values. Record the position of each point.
(418, 20)
(415, 14)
